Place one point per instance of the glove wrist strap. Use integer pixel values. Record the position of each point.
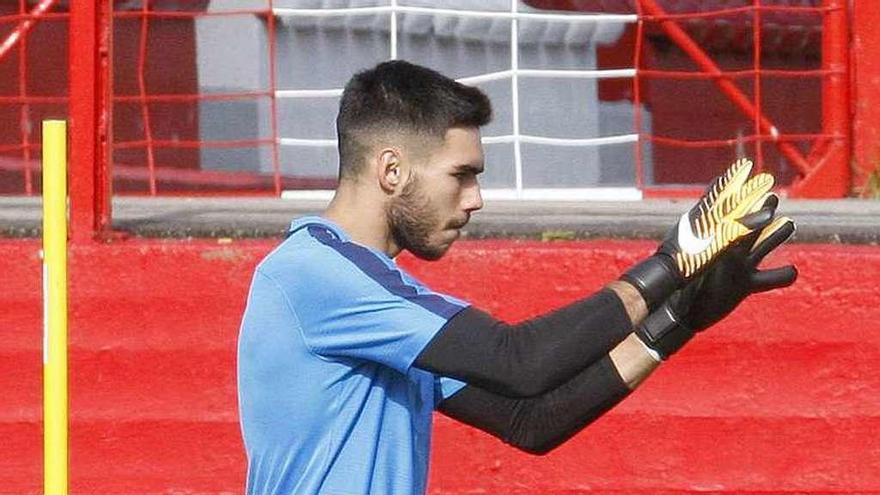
(656, 278)
(663, 332)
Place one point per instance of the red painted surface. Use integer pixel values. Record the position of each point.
(782, 396)
(89, 116)
(865, 90)
(830, 176)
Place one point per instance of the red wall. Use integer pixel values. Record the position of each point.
(783, 396)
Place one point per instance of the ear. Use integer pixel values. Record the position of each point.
(390, 170)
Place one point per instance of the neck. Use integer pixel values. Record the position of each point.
(363, 218)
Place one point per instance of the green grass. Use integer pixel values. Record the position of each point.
(557, 235)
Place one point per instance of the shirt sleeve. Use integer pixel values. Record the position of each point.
(351, 302)
(445, 387)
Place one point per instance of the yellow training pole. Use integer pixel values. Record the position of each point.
(55, 307)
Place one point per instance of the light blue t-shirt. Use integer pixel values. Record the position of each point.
(328, 398)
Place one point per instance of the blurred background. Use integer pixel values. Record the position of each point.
(604, 99)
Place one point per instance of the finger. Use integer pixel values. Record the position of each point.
(771, 237)
(775, 278)
(744, 245)
(752, 194)
(771, 202)
(729, 183)
(757, 220)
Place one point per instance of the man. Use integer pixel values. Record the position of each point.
(343, 356)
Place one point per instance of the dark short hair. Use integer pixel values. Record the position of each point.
(402, 97)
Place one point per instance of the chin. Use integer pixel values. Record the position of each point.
(431, 252)
(429, 255)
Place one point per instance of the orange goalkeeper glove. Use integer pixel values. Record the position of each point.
(732, 207)
(719, 290)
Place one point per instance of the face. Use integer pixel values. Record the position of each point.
(437, 201)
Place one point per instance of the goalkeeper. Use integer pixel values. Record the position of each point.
(343, 356)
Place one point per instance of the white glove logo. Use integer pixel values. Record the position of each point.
(690, 243)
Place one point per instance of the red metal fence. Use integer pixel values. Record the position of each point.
(823, 171)
(133, 102)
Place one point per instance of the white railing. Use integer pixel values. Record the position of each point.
(514, 74)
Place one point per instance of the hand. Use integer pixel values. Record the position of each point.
(735, 276)
(719, 290)
(732, 207)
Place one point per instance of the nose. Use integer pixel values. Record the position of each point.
(473, 198)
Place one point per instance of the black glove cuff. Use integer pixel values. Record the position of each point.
(663, 332)
(655, 277)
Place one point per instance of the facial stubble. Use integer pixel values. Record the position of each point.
(412, 219)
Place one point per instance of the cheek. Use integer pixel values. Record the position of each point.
(454, 194)
(444, 196)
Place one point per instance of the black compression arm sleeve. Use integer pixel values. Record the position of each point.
(532, 357)
(540, 424)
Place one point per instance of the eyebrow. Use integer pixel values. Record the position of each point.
(474, 169)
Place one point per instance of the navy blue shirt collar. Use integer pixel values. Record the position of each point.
(305, 221)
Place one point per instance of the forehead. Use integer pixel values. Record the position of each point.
(461, 146)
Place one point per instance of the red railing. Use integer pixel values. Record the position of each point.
(237, 183)
(822, 173)
(820, 159)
